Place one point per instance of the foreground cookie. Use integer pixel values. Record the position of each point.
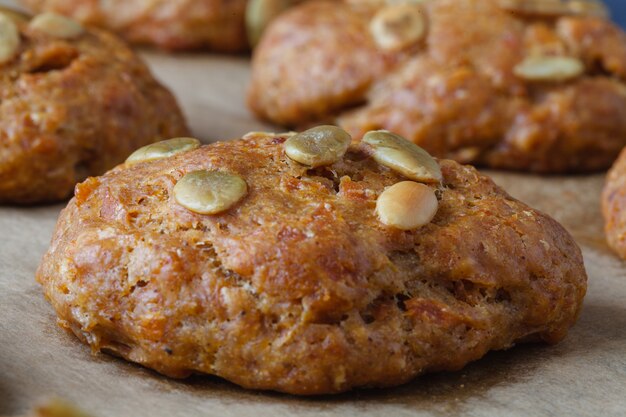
(218, 25)
(75, 103)
(303, 264)
(614, 206)
(524, 85)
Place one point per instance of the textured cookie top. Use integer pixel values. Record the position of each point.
(74, 102)
(528, 85)
(300, 285)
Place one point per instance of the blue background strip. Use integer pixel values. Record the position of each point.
(618, 11)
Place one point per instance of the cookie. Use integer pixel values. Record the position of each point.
(188, 24)
(522, 85)
(303, 264)
(75, 102)
(614, 206)
(218, 25)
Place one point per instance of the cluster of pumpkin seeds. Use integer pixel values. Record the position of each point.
(400, 24)
(406, 205)
(50, 24)
(202, 191)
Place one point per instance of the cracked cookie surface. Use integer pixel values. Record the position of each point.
(299, 287)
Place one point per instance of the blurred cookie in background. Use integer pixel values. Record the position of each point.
(74, 102)
(523, 85)
(216, 25)
(614, 206)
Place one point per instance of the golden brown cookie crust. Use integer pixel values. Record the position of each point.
(217, 25)
(455, 92)
(299, 287)
(73, 108)
(614, 206)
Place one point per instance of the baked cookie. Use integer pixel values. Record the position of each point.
(522, 85)
(218, 25)
(358, 266)
(614, 206)
(74, 103)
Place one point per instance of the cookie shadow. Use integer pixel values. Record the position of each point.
(448, 393)
(5, 399)
(598, 329)
(440, 394)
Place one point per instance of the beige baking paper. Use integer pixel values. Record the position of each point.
(583, 376)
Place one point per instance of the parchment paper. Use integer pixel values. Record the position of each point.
(583, 376)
